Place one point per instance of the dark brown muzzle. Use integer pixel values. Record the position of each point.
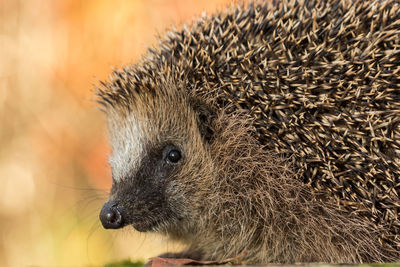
(111, 215)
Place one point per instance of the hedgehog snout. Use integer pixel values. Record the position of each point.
(112, 215)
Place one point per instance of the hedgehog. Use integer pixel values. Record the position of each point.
(267, 130)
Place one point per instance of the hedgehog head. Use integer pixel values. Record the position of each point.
(157, 138)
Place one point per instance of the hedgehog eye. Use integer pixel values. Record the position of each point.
(174, 155)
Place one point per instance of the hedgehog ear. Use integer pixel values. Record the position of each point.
(205, 119)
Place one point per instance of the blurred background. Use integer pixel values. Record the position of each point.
(53, 144)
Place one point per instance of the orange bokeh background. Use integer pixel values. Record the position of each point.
(53, 143)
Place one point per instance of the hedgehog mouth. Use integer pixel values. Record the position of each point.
(145, 224)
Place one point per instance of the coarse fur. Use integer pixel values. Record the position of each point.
(287, 118)
(255, 205)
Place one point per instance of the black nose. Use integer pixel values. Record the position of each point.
(111, 215)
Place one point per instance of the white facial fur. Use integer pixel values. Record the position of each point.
(126, 137)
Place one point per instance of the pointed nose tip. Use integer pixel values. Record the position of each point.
(111, 216)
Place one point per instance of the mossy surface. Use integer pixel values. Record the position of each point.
(125, 263)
